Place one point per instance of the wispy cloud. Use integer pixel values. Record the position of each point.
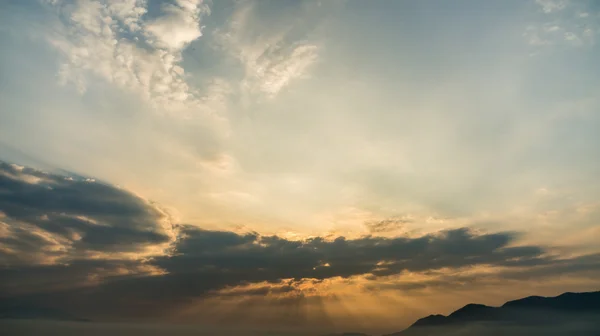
(272, 58)
(572, 23)
(119, 42)
(549, 6)
(388, 224)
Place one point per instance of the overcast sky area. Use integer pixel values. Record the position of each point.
(331, 165)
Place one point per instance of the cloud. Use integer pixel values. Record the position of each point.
(22, 280)
(252, 257)
(585, 267)
(388, 224)
(179, 24)
(564, 23)
(121, 43)
(549, 6)
(213, 263)
(54, 219)
(70, 241)
(272, 55)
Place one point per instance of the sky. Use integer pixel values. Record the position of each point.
(297, 164)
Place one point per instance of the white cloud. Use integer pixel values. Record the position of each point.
(563, 23)
(179, 25)
(271, 59)
(549, 6)
(573, 38)
(535, 36)
(111, 40)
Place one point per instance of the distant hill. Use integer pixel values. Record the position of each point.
(569, 313)
(31, 312)
(566, 314)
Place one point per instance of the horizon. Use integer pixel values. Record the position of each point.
(338, 165)
(32, 326)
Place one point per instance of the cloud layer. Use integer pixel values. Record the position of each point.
(70, 241)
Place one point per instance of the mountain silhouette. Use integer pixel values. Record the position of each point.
(33, 312)
(569, 313)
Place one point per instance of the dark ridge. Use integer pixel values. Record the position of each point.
(18, 312)
(568, 302)
(581, 310)
(527, 301)
(472, 310)
(431, 320)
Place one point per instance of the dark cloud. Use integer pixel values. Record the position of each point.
(585, 267)
(56, 216)
(55, 277)
(203, 262)
(262, 290)
(270, 258)
(63, 241)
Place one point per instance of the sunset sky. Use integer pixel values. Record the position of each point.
(327, 165)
